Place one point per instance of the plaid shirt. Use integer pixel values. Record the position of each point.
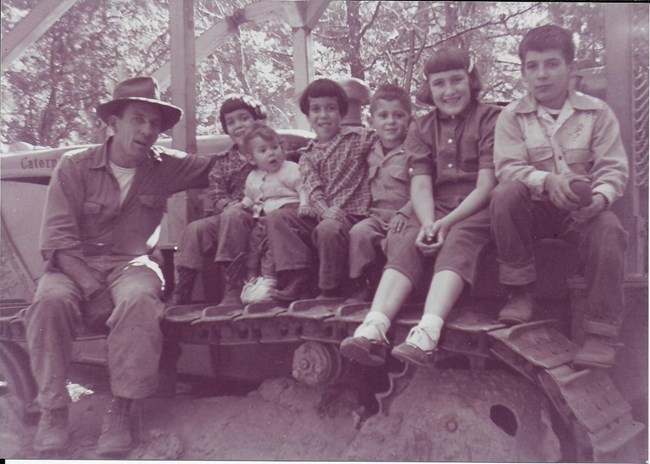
(336, 173)
(228, 178)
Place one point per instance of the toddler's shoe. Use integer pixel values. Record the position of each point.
(257, 290)
(368, 346)
(418, 348)
(597, 352)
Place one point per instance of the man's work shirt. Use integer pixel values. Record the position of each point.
(389, 182)
(584, 139)
(335, 173)
(228, 178)
(452, 149)
(83, 215)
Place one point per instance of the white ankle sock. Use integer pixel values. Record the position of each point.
(431, 325)
(432, 322)
(374, 326)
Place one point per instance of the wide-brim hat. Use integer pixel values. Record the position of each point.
(140, 89)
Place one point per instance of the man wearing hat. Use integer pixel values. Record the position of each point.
(102, 218)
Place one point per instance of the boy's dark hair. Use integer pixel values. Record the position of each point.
(548, 37)
(261, 130)
(448, 59)
(238, 101)
(391, 92)
(324, 88)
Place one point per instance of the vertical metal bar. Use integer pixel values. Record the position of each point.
(620, 84)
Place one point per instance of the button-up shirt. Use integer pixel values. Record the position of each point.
(83, 213)
(452, 149)
(228, 178)
(335, 173)
(389, 182)
(584, 139)
(268, 191)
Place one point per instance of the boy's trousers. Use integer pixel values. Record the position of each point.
(224, 236)
(295, 241)
(518, 220)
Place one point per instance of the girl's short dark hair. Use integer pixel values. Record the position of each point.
(449, 59)
(261, 130)
(391, 92)
(548, 37)
(324, 88)
(239, 101)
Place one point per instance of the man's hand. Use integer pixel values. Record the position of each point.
(334, 212)
(559, 190)
(598, 204)
(397, 224)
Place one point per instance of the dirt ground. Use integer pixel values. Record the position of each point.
(440, 416)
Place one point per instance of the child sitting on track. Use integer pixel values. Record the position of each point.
(224, 235)
(334, 175)
(390, 114)
(546, 141)
(452, 174)
(275, 183)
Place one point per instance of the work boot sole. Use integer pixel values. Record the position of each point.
(364, 351)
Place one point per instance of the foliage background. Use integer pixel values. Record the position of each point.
(49, 94)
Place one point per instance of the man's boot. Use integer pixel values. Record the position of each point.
(52, 433)
(182, 293)
(116, 429)
(519, 307)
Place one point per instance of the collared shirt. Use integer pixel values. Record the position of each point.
(83, 211)
(452, 149)
(336, 173)
(228, 177)
(584, 139)
(268, 191)
(389, 182)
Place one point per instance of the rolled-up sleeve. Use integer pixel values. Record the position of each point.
(311, 186)
(60, 229)
(418, 150)
(511, 156)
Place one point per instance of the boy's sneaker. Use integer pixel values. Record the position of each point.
(368, 346)
(52, 433)
(418, 348)
(519, 307)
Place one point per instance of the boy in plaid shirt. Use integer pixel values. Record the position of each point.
(334, 175)
(224, 235)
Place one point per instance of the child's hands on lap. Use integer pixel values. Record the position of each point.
(306, 211)
(598, 204)
(397, 224)
(431, 237)
(334, 212)
(559, 190)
